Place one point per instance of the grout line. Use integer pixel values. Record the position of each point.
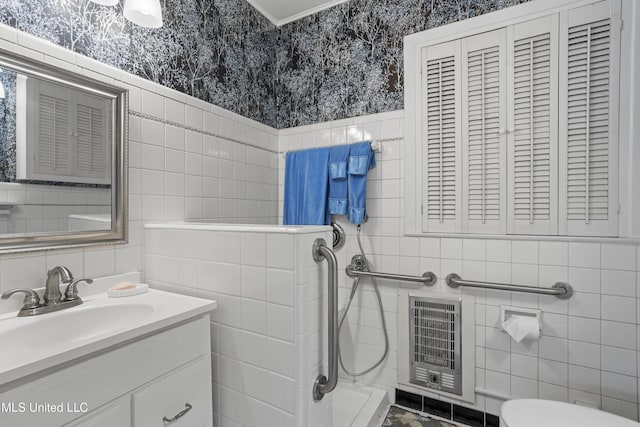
(204, 132)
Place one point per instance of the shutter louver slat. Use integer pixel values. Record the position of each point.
(532, 132)
(89, 147)
(483, 138)
(53, 147)
(440, 140)
(588, 122)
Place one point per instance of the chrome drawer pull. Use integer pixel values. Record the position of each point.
(178, 415)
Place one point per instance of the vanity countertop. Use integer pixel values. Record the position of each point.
(34, 344)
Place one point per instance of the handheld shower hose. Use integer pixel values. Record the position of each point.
(362, 264)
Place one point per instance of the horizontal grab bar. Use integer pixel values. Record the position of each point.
(428, 278)
(561, 290)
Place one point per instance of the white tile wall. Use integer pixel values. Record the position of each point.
(268, 331)
(38, 208)
(589, 346)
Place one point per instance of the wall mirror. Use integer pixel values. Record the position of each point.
(63, 175)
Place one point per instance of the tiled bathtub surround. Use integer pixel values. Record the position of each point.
(177, 169)
(269, 331)
(588, 351)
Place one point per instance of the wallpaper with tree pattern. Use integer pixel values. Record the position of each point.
(342, 62)
(8, 127)
(347, 61)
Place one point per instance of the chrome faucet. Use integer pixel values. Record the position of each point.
(53, 300)
(56, 276)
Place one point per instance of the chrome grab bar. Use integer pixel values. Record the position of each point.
(324, 385)
(427, 278)
(561, 290)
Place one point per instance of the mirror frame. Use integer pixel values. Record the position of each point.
(24, 242)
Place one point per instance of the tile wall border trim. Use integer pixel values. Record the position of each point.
(193, 129)
(379, 141)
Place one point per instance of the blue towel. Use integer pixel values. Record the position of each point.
(338, 157)
(306, 187)
(361, 159)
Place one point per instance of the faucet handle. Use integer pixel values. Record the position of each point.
(31, 298)
(71, 293)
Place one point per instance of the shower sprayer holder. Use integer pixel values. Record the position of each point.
(359, 263)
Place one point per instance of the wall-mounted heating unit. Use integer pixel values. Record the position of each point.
(436, 345)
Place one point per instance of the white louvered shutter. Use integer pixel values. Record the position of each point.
(441, 138)
(589, 122)
(66, 135)
(532, 134)
(52, 154)
(483, 133)
(91, 138)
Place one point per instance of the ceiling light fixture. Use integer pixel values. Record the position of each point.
(146, 13)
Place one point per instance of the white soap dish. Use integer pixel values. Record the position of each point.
(139, 288)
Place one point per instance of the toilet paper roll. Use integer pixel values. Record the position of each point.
(522, 327)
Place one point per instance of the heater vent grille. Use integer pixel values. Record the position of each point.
(434, 341)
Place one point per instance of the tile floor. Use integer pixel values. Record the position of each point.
(398, 416)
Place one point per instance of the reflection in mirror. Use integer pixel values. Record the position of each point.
(55, 147)
(62, 140)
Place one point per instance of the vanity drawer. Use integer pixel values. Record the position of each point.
(186, 390)
(116, 413)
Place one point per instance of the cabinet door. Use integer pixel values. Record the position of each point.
(184, 395)
(484, 133)
(116, 413)
(441, 137)
(532, 134)
(590, 39)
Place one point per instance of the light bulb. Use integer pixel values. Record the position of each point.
(146, 13)
(106, 2)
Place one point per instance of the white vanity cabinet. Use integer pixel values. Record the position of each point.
(133, 384)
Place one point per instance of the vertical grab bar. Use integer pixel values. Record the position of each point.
(324, 385)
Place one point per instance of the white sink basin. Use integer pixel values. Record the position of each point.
(30, 344)
(72, 325)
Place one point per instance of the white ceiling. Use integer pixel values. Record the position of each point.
(281, 12)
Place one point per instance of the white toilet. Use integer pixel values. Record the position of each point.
(549, 413)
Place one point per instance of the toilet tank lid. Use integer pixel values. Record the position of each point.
(549, 413)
